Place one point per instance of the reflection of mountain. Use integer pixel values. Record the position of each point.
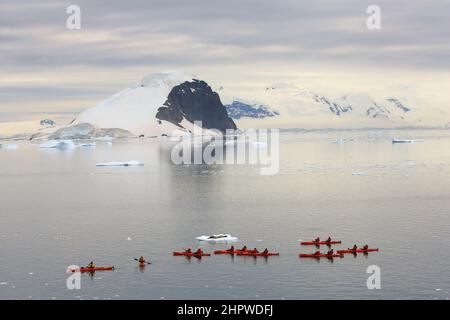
(297, 107)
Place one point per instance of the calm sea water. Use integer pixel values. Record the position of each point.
(58, 209)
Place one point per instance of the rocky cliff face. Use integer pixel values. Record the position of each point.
(195, 101)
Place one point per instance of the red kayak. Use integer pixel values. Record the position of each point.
(233, 251)
(258, 254)
(322, 255)
(191, 254)
(309, 243)
(93, 269)
(357, 250)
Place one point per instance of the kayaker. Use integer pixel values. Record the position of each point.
(142, 260)
(365, 247)
(354, 248)
(317, 239)
(317, 253)
(266, 251)
(199, 251)
(328, 240)
(244, 248)
(330, 252)
(188, 250)
(91, 265)
(231, 249)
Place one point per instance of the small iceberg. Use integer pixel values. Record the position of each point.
(359, 174)
(218, 238)
(120, 164)
(9, 146)
(406, 140)
(58, 144)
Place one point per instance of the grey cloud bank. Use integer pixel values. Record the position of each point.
(138, 34)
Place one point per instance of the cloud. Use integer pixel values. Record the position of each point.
(191, 34)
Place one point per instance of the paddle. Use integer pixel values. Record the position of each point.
(145, 262)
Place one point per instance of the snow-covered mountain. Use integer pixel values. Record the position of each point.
(160, 104)
(297, 107)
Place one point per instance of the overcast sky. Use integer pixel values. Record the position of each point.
(242, 44)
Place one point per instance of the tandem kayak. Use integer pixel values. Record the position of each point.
(308, 243)
(228, 251)
(357, 250)
(191, 254)
(322, 255)
(258, 254)
(93, 269)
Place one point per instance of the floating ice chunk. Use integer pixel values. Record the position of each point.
(9, 146)
(218, 238)
(88, 145)
(359, 174)
(58, 144)
(120, 164)
(406, 140)
(129, 239)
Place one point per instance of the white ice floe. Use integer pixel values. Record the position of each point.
(359, 174)
(88, 145)
(218, 238)
(120, 164)
(406, 140)
(9, 146)
(58, 144)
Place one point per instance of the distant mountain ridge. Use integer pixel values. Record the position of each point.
(285, 105)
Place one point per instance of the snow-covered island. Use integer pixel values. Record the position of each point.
(161, 104)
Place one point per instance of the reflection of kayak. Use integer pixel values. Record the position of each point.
(258, 254)
(307, 243)
(218, 238)
(93, 269)
(191, 254)
(357, 250)
(322, 255)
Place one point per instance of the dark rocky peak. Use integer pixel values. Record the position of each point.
(195, 101)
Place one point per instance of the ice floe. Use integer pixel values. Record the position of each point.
(9, 146)
(120, 164)
(58, 144)
(218, 238)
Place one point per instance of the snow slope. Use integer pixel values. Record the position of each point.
(134, 108)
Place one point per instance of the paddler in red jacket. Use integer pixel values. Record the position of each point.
(199, 251)
(317, 253)
(354, 248)
(328, 240)
(365, 247)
